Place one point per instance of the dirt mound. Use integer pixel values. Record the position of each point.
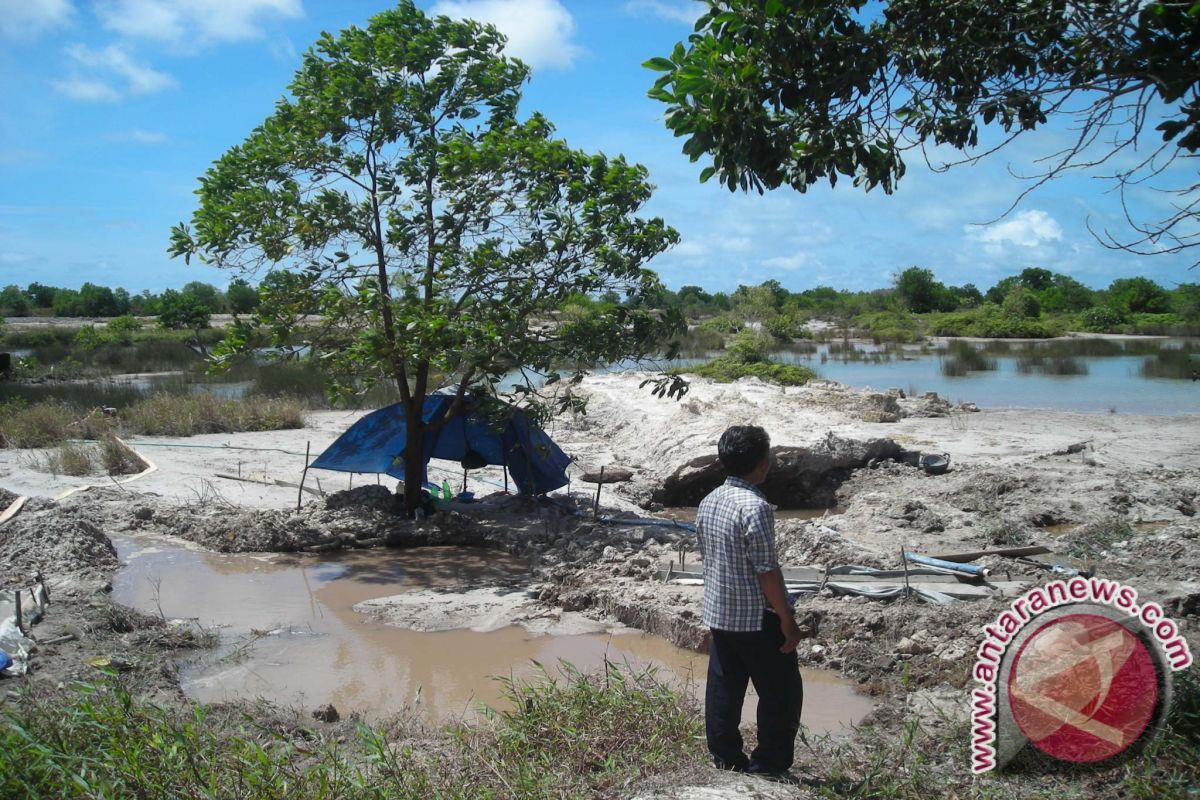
(56, 540)
(6, 498)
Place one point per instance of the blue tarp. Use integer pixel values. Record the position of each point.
(376, 444)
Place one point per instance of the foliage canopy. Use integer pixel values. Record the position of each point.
(792, 92)
(396, 194)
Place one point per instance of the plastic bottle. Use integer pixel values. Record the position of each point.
(446, 495)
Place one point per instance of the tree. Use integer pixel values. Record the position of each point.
(97, 301)
(437, 233)
(918, 289)
(182, 310)
(13, 302)
(206, 295)
(242, 297)
(792, 92)
(1138, 296)
(40, 295)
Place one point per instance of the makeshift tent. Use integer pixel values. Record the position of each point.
(376, 444)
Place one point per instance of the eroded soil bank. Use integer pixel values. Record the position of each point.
(1016, 478)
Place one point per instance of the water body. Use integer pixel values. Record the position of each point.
(1134, 375)
(289, 634)
(1131, 376)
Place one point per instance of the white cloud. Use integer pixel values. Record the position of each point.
(193, 22)
(28, 18)
(686, 11)
(1027, 229)
(16, 259)
(790, 263)
(109, 74)
(87, 90)
(138, 136)
(539, 31)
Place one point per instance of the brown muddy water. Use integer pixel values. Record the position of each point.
(290, 634)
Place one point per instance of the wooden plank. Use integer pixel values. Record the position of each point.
(1006, 552)
(12, 509)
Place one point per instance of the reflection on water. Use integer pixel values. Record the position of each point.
(290, 633)
(1141, 376)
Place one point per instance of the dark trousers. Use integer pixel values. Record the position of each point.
(734, 659)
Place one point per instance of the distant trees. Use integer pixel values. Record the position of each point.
(94, 300)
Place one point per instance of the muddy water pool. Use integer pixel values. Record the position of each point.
(290, 634)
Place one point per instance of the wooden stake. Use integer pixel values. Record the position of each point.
(596, 504)
(303, 475)
(17, 601)
(904, 563)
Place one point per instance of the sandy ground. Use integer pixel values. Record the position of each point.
(1054, 478)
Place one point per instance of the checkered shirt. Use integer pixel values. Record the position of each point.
(736, 527)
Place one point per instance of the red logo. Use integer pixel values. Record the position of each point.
(1083, 688)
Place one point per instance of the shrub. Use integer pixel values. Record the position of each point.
(120, 330)
(750, 347)
(88, 338)
(726, 370)
(70, 458)
(192, 414)
(40, 425)
(1101, 319)
(118, 459)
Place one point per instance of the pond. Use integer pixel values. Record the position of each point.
(1133, 375)
(290, 634)
(1123, 375)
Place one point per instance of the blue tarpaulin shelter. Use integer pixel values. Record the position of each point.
(376, 444)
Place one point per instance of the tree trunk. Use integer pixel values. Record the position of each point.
(414, 455)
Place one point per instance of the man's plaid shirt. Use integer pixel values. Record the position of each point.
(736, 527)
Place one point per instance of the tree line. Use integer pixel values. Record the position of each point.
(188, 307)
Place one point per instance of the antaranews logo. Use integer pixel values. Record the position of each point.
(1077, 668)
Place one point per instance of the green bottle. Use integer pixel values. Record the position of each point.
(446, 491)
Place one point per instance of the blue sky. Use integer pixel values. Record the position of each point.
(112, 108)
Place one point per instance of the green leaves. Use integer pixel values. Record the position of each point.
(794, 92)
(417, 229)
(659, 64)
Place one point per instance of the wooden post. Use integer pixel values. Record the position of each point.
(904, 564)
(596, 504)
(17, 601)
(303, 475)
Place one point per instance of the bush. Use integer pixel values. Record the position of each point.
(193, 414)
(888, 326)
(1101, 319)
(88, 338)
(118, 459)
(991, 322)
(727, 370)
(120, 330)
(750, 347)
(39, 425)
(70, 458)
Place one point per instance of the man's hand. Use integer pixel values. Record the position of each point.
(791, 633)
(776, 593)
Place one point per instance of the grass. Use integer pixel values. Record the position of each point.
(50, 423)
(587, 735)
(1006, 532)
(71, 458)
(200, 412)
(1091, 539)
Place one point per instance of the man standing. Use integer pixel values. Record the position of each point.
(754, 634)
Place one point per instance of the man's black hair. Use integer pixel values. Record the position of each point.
(742, 448)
